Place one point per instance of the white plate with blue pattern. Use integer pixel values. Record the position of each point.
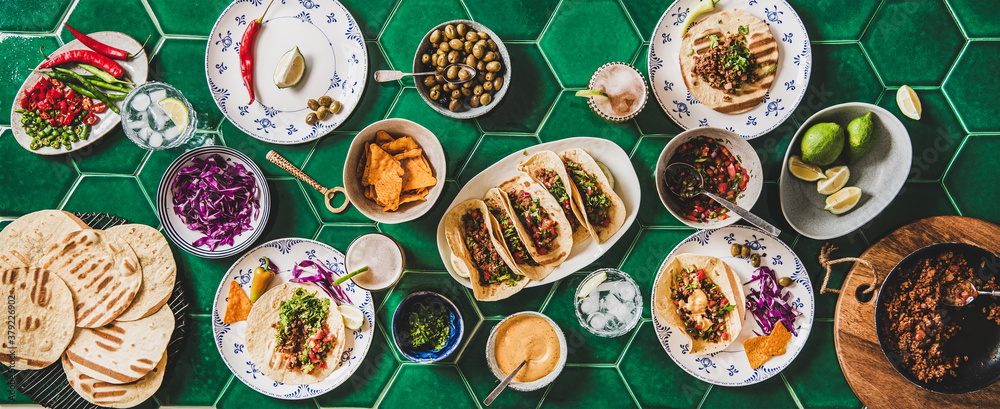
(794, 66)
(231, 339)
(336, 65)
(730, 367)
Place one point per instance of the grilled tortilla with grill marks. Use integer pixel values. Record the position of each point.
(122, 352)
(44, 321)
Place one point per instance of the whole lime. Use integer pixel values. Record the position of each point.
(822, 143)
(860, 138)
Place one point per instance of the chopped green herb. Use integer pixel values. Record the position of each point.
(429, 326)
(744, 30)
(690, 53)
(714, 39)
(770, 69)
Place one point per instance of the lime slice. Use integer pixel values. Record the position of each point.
(591, 284)
(460, 267)
(176, 111)
(844, 200)
(290, 68)
(589, 93)
(804, 171)
(353, 317)
(908, 102)
(836, 178)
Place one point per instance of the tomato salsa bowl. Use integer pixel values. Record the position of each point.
(729, 167)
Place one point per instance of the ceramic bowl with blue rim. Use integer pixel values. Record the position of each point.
(230, 339)
(401, 334)
(738, 147)
(183, 236)
(730, 366)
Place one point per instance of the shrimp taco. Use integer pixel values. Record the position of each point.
(510, 241)
(540, 222)
(729, 61)
(700, 297)
(546, 169)
(476, 252)
(602, 210)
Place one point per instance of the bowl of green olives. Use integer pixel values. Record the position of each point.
(455, 92)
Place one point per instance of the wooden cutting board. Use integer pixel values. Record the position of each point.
(866, 368)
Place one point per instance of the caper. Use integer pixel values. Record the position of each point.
(493, 66)
(478, 90)
(470, 60)
(435, 36)
(474, 101)
(323, 113)
(481, 65)
(472, 36)
(785, 281)
(456, 94)
(755, 260)
(312, 104)
(477, 50)
(490, 56)
(492, 44)
(456, 44)
(429, 81)
(325, 100)
(311, 119)
(461, 29)
(435, 92)
(485, 99)
(497, 83)
(488, 85)
(449, 31)
(454, 105)
(453, 57)
(735, 249)
(466, 92)
(744, 251)
(489, 76)
(463, 74)
(425, 59)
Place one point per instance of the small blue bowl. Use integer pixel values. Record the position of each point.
(399, 331)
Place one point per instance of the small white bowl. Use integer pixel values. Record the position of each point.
(397, 127)
(739, 147)
(542, 382)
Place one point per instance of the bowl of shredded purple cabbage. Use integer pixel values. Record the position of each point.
(213, 201)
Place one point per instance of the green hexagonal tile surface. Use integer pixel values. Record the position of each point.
(927, 23)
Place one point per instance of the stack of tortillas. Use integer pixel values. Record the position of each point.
(95, 298)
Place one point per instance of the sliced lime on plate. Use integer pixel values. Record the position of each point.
(353, 317)
(290, 69)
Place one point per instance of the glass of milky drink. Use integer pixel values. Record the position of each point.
(156, 116)
(384, 257)
(625, 89)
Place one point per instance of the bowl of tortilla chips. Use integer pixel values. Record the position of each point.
(394, 171)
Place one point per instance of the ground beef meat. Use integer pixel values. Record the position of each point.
(727, 65)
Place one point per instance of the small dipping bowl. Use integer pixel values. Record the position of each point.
(400, 335)
(539, 383)
(599, 300)
(137, 123)
(384, 257)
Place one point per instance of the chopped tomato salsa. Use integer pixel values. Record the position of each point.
(722, 174)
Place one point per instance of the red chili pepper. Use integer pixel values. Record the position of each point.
(88, 57)
(67, 119)
(24, 102)
(246, 52)
(90, 119)
(98, 107)
(97, 45)
(69, 93)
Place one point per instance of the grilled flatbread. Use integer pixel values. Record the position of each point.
(158, 269)
(122, 352)
(545, 162)
(462, 258)
(562, 245)
(27, 239)
(616, 208)
(100, 269)
(44, 318)
(111, 395)
(762, 46)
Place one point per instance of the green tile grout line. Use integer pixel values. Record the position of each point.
(788, 386)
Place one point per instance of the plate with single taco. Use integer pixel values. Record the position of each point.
(281, 325)
(741, 66)
(538, 215)
(732, 306)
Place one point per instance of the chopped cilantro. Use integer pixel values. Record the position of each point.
(429, 326)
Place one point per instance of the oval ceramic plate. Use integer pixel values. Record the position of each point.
(184, 237)
(730, 367)
(231, 339)
(136, 68)
(880, 175)
(336, 65)
(603, 151)
(795, 63)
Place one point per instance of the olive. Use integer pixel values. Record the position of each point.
(323, 113)
(451, 87)
(437, 52)
(482, 35)
(477, 50)
(336, 107)
(785, 281)
(744, 251)
(452, 72)
(466, 92)
(435, 92)
(325, 100)
(454, 57)
(456, 44)
(312, 104)
(456, 94)
(474, 102)
(442, 61)
(481, 66)
(472, 36)
(470, 60)
(489, 76)
(755, 260)
(439, 77)
(435, 36)
(485, 99)
(735, 249)
(493, 66)
(429, 81)
(478, 90)
(490, 56)
(461, 29)
(488, 85)
(497, 83)
(311, 119)
(454, 105)
(467, 46)
(463, 74)
(449, 32)
(425, 58)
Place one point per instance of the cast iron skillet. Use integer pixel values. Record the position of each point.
(979, 337)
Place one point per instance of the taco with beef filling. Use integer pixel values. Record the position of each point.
(540, 222)
(476, 252)
(603, 211)
(546, 169)
(701, 297)
(510, 241)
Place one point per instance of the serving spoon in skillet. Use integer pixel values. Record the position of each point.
(962, 293)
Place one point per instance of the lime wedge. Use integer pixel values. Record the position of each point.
(589, 93)
(836, 178)
(460, 267)
(804, 171)
(703, 6)
(844, 200)
(290, 69)
(176, 111)
(908, 102)
(591, 284)
(353, 317)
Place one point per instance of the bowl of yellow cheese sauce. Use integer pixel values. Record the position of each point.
(527, 336)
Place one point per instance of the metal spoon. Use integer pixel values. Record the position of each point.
(679, 170)
(391, 75)
(503, 384)
(962, 293)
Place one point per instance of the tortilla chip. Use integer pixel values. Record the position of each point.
(422, 162)
(238, 306)
(382, 137)
(400, 145)
(387, 191)
(760, 349)
(413, 197)
(416, 176)
(409, 154)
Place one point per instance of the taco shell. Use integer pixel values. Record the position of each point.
(495, 203)
(545, 160)
(563, 243)
(462, 258)
(720, 274)
(616, 212)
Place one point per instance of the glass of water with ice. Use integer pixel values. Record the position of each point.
(613, 308)
(157, 116)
